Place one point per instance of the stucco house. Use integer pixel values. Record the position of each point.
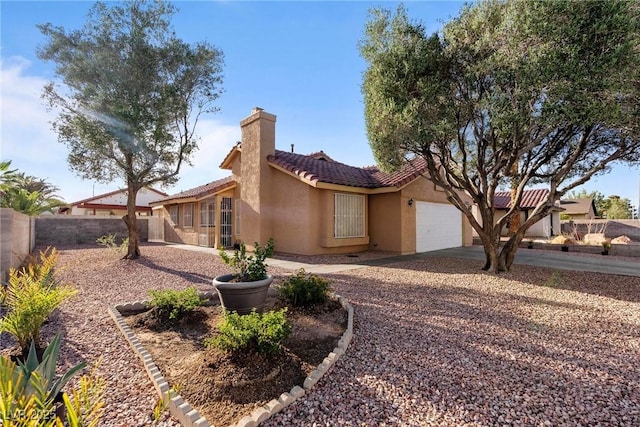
(311, 204)
(113, 203)
(579, 209)
(546, 227)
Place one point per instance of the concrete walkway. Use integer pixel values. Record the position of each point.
(551, 259)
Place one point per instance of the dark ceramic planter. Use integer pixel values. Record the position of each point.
(242, 297)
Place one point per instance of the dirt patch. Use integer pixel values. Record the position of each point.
(225, 387)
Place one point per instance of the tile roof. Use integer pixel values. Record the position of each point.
(578, 206)
(111, 193)
(319, 167)
(530, 198)
(201, 191)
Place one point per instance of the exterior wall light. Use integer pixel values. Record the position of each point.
(410, 202)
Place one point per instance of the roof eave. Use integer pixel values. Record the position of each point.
(231, 155)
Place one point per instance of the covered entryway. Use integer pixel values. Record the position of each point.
(438, 226)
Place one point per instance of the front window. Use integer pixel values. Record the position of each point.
(173, 213)
(349, 215)
(188, 215)
(207, 214)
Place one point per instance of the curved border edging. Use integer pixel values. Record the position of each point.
(190, 417)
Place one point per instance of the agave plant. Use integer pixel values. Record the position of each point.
(39, 378)
(28, 392)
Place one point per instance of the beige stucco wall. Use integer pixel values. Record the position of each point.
(178, 233)
(302, 219)
(256, 191)
(546, 227)
(17, 238)
(386, 221)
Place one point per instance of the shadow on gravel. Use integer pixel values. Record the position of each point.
(622, 288)
(494, 357)
(195, 278)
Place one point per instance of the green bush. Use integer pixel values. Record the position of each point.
(255, 331)
(304, 289)
(170, 304)
(30, 297)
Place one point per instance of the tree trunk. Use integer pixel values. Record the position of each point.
(508, 253)
(491, 244)
(133, 250)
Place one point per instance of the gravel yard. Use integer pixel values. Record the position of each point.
(436, 342)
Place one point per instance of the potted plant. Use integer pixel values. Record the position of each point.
(606, 245)
(246, 288)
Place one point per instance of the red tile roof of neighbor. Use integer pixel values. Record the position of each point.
(201, 191)
(530, 198)
(318, 167)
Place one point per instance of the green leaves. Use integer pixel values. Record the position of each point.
(249, 268)
(303, 289)
(547, 89)
(31, 296)
(173, 305)
(255, 331)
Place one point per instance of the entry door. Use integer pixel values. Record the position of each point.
(226, 219)
(207, 234)
(438, 226)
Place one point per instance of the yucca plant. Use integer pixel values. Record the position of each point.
(30, 297)
(85, 405)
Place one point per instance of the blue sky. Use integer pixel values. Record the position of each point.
(297, 60)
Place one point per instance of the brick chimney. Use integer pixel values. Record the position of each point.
(256, 210)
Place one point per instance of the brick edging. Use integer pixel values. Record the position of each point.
(190, 417)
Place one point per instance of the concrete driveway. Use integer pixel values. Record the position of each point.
(551, 259)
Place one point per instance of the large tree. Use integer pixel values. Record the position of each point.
(509, 92)
(131, 96)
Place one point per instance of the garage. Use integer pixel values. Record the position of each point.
(438, 226)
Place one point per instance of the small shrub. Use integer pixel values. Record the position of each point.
(304, 289)
(31, 295)
(109, 241)
(249, 268)
(255, 331)
(170, 304)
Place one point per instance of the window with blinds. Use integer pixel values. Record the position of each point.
(207, 214)
(349, 215)
(188, 215)
(173, 213)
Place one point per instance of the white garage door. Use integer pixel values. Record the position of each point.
(438, 226)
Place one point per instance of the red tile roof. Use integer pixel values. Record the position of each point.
(201, 191)
(530, 198)
(318, 167)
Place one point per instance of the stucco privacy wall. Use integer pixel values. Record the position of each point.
(17, 239)
(61, 230)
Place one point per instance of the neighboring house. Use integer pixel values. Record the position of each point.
(311, 204)
(113, 203)
(546, 227)
(580, 209)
